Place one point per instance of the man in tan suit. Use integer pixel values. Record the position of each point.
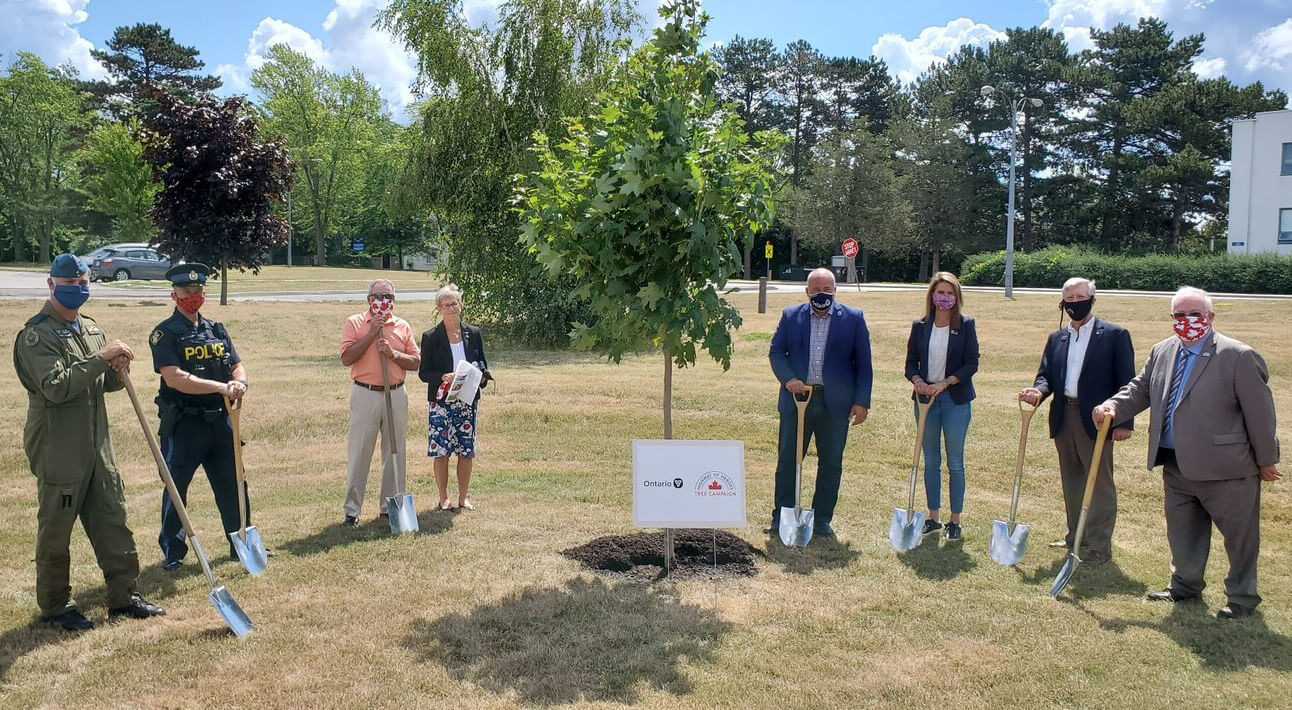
(1212, 429)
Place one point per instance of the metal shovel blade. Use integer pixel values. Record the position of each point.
(796, 526)
(1008, 548)
(402, 514)
(907, 529)
(1065, 575)
(229, 610)
(251, 553)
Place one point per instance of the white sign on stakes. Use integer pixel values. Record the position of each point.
(688, 484)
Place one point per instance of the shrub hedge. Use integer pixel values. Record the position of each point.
(1050, 267)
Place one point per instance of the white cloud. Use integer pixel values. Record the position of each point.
(1209, 68)
(349, 41)
(908, 58)
(1271, 46)
(47, 29)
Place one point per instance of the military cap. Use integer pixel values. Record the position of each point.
(67, 266)
(188, 274)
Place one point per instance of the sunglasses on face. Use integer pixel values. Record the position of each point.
(382, 296)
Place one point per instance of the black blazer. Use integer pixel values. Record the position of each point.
(1109, 364)
(437, 357)
(962, 356)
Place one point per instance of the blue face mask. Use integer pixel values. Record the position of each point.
(71, 296)
(822, 301)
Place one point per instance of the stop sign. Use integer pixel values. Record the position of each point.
(850, 247)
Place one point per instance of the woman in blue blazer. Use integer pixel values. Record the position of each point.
(941, 359)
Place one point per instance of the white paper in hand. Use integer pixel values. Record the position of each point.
(466, 382)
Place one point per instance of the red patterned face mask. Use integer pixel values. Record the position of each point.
(381, 306)
(1192, 328)
(191, 303)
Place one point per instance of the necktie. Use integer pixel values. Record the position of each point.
(1177, 386)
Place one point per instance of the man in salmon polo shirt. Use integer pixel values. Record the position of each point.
(366, 338)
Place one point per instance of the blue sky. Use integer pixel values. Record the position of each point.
(1247, 40)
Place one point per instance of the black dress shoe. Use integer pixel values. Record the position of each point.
(172, 565)
(136, 609)
(823, 530)
(350, 521)
(1233, 611)
(71, 620)
(1167, 595)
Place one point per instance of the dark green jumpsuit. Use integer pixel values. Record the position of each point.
(70, 450)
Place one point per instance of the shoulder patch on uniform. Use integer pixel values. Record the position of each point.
(31, 337)
(155, 337)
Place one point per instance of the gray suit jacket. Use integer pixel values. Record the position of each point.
(1224, 424)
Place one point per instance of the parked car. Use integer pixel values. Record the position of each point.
(107, 249)
(130, 263)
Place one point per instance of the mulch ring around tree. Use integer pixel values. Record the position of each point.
(641, 555)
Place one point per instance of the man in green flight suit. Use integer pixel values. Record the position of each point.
(65, 362)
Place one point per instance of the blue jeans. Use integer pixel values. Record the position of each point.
(950, 421)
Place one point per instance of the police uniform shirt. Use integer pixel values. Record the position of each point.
(202, 349)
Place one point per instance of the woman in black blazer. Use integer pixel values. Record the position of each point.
(941, 359)
(451, 425)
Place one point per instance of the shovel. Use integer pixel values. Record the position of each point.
(1069, 567)
(220, 597)
(246, 542)
(796, 523)
(907, 528)
(1008, 538)
(400, 509)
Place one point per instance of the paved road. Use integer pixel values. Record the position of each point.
(31, 285)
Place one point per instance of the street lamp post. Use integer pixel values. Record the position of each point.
(1015, 105)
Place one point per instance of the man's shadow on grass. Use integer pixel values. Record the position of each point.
(429, 522)
(1222, 645)
(154, 584)
(937, 562)
(821, 553)
(589, 641)
(1089, 581)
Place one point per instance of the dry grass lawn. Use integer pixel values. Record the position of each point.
(306, 278)
(481, 610)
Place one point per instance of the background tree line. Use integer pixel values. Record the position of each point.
(74, 172)
(1126, 153)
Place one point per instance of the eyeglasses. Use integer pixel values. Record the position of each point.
(1191, 314)
(382, 296)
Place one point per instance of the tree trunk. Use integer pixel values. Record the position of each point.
(224, 284)
(937, 262)
(924, 265)
(668, 394)
(865, 264)
(1110, 192)
(19, 243)
(749, 251)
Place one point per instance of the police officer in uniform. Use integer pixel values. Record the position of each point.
(199, 367)
(63, 359)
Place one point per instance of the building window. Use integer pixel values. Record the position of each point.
(1287, 159)
(1285, 225)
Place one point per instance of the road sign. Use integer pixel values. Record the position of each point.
(767, 251)
(850, 247)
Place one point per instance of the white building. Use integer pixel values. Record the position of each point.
(1260, 184)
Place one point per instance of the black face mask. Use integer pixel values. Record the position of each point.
(1078, 310)
(822, 301)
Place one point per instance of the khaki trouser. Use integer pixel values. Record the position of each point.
(99, 500)
(1076, 448)
(367, 418)
(1234, 505)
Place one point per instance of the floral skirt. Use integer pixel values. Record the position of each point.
(452, 428)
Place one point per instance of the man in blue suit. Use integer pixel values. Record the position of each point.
(825, 347)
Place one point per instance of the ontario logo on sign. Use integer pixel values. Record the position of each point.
(688, 484)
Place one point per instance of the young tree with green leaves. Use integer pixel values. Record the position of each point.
(646, 201)
(328, 120)
(116, 180)
(221, 183)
